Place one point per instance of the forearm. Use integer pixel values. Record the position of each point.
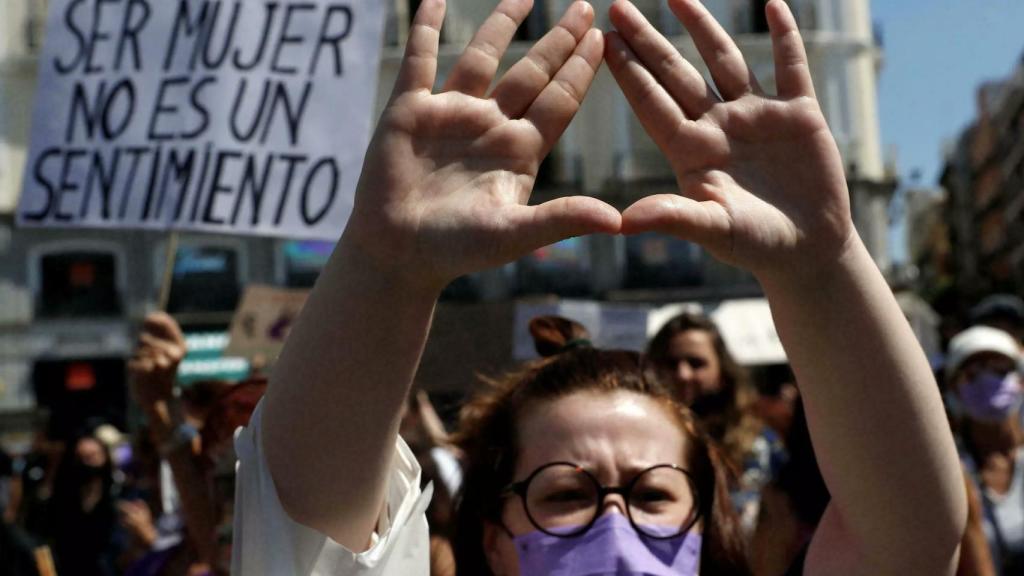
(873, 409)
(196, 503)
(331, 414)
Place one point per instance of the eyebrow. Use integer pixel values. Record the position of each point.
(629, 471)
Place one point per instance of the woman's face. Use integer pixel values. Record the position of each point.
(91, 453)
(693, 365)
(614, 435)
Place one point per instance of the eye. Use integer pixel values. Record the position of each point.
(567, 496)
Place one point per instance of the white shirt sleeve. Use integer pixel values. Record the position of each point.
(267, 542)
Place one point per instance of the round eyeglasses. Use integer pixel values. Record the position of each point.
(562, 499)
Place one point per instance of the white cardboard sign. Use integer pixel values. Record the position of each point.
(237, 116)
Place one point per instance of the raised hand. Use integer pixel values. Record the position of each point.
(447, 178)
(761, 182)
(154, 364)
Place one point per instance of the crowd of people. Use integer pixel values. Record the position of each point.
(860, 457)
(159, 502)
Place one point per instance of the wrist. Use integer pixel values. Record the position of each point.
(163, 416)
(816, 274)
(181, 436)
(391, 270)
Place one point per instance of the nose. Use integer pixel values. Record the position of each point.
(613, 503)
(684, 373)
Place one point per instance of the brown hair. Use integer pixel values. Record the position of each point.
(488, 436)
(733, 423)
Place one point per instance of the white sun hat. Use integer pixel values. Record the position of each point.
(977, 340)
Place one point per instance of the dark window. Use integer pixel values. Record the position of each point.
(414, 5)
(80, 394)
(536, 24)
(660, 261)
(562, 268)
(303, 262)
(462, 289)
(205, 280)
(78, 284)
(759, 19)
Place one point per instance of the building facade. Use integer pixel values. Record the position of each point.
(72, 298)
(984, 208)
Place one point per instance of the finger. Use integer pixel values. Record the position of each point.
(723, 58)
(419, 65)
(682, 81)
(792, 73)
(559, 219)
(475, 70)
(140, 365)
(161, 349)
(705, 222)
(659, 114)
(527, 78)
(163, 326)
(552, 111)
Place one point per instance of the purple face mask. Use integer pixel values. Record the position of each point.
(610, 548)
(992, 397)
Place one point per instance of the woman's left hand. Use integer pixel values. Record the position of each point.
(761, 181)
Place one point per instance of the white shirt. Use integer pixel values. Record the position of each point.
(267, 542)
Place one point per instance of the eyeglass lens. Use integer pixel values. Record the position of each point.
(564, 499)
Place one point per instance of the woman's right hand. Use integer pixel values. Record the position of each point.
(448, 175)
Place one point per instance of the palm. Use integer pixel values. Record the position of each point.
(761, 181)
(448, 177)
(469, 169)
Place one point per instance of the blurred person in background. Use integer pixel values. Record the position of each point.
(791, 505)
(440, 461)
(691, 354)
(1002, 311)
(777, 399)
(16, 558)
(38, 468)
(193, 436)
(985, 397)
(83, 511)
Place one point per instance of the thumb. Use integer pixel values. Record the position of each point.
(707, 223)
(559, 219)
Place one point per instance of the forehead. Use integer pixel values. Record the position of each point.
(611, 433)
(690, 342)
(88, 446)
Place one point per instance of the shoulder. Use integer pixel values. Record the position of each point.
(267, 541)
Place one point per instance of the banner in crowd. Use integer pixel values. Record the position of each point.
(746, 326)
(263, 320)
(212, 115)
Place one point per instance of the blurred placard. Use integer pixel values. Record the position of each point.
(263, 320)
(611, 326)
(240, 117)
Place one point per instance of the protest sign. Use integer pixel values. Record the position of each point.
(749, 332)
(263, 320)
(240, 116)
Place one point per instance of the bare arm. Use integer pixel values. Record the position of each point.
(975, 555)
(762, 187)
(153, 369)
(443, 192)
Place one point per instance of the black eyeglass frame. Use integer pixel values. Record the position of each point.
(520, 489)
